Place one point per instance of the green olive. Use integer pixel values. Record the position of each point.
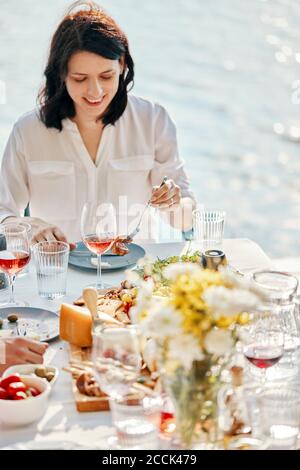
(12, 318)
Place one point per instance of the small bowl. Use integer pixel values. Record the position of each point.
(28, 370)
(15, 413)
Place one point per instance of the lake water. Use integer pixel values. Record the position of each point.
(229, 74)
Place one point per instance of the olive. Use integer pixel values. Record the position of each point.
(1, 323)
(41, 372)
(50, 376)
(12, 318)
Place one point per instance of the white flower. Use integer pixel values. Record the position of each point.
(185, 349)
(242, 282)
(229, 302)
(132, 276)
(172, 271)
(162, 322)
(218, 342)
(150, 354)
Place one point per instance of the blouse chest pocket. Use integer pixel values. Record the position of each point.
(52, 189)
(130, 177)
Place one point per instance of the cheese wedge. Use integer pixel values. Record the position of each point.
(75, 325)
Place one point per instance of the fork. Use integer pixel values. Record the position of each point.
(138, 227)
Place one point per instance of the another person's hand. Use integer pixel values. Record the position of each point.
(22, 351)
(167, 196)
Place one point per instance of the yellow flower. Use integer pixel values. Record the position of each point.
(225, 322)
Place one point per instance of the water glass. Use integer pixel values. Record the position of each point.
(279, 411)
(116, 358)
(280, 290)
(136, 419)
(51, 261)
(208, 228)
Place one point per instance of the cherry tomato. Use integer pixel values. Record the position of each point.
(15, 387)
(3, 394)
(34, 391)
(20, 396)
(4, 383)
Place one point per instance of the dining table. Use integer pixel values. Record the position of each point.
(63, 426)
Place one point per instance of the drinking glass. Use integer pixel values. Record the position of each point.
(98, 231)
(263, 342)
(208, 228)
(14, 256)
(279, 412)
(116, 358)
(136, 420)
(280, 290)
(51, 262)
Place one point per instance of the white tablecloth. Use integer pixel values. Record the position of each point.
(62, 422)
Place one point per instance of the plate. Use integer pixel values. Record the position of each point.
(34, 323)
(110, 261)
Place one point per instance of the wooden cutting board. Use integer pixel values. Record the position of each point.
(85, 403)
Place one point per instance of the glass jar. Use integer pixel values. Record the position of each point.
(280, 290)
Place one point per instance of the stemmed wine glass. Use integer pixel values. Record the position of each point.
(263, 342)
(14, 255)
(98, 231)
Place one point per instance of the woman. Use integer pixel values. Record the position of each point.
(90, 141)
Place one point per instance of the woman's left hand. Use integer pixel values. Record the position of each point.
(167, 196)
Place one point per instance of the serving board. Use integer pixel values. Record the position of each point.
(85, 403)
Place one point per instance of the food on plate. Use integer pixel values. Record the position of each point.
(155, 271)
(12, 318)
(13, 388)
(116, 302)
(75, 325)
(120, 245)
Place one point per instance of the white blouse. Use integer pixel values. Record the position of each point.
(54, 173)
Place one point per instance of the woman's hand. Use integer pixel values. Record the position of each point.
(42, 231)
(22, 351)
(167, 196)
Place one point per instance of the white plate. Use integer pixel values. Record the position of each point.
(28, 369)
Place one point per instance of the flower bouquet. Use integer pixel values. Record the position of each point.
(192, 327)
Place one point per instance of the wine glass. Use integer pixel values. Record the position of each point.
(263, 342)
(116, 358)
(14, 256)
(98, 231)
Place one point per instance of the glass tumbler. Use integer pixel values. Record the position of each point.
(51, 262)
(208, 228)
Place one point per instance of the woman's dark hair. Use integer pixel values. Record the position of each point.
(86, 27)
